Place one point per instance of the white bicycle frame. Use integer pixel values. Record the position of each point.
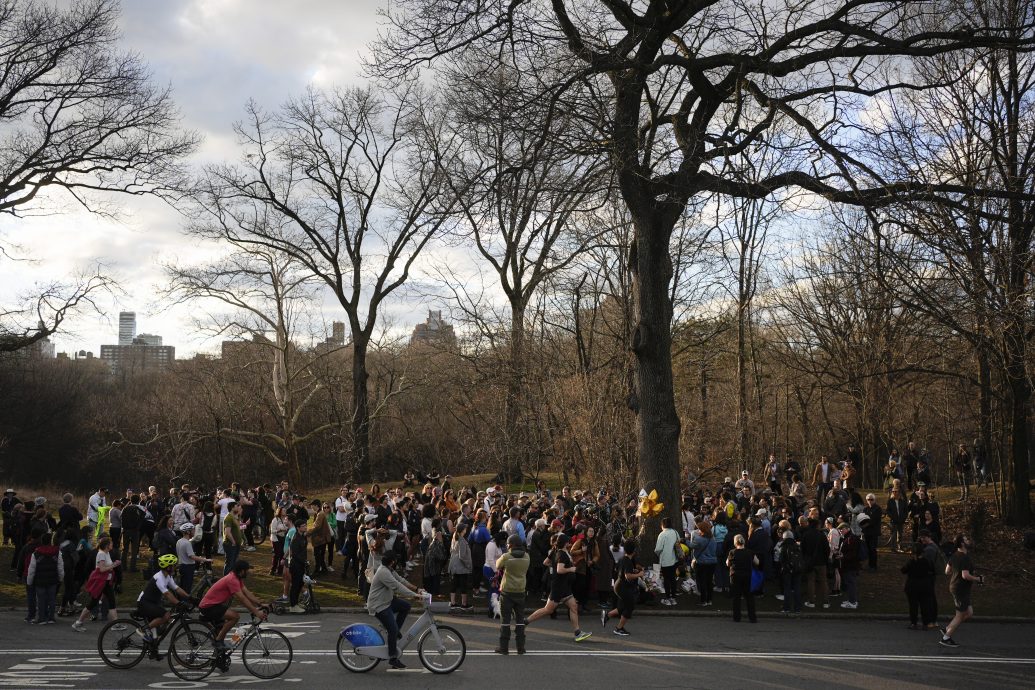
(425, 622)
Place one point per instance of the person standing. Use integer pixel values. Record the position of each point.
(964, 467)
(772, 475)
(46, 571)
(871, 529)
(321, 537)
(93, 504)
(919, 574)
(188, 561)
(296, 565)
(960, 570)
(741, 562)
(514, 566)
(898, 513)
(823, 478)
(233, 536)
(705, 557)
(849, 552)
(460, 569)
(665, 549)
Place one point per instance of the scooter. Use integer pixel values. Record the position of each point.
(441, 648)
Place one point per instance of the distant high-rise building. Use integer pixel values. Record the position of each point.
(148, 339)
(338, 333)
(127, 327)
(137, 357)
(434, 330)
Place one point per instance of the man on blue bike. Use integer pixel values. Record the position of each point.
(390, 610)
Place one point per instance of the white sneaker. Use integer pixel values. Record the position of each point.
(249, 548)
(849, 605)
(779, 597)
(809, 605)
(78, 627)
(826, 606)
(296, 609)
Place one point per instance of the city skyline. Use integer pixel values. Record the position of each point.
(215, 55)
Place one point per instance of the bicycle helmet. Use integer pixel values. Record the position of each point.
(167, 560)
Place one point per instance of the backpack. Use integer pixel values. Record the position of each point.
(792, 558)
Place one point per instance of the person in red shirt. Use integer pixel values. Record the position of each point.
(215, 606)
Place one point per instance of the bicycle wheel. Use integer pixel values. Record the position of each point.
(267, 654)
(191, 656)
(123, 647)
(445, 657)
(258, 532)
(357, 663)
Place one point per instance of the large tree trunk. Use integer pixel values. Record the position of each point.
(657, 422)
(742, 393)
(1018, 501)
(517, 434)
(360, 410)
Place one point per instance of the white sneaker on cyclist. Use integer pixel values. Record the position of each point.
(78, 627)
(296, 609)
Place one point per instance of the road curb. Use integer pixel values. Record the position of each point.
(652, 613)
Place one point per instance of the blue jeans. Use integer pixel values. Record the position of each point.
(393, 618)
(232, 552)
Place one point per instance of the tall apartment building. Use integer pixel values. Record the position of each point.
(127, 327)
(137, 357)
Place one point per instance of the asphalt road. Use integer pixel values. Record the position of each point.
(661, 653)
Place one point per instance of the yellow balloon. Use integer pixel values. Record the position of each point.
(653, 495)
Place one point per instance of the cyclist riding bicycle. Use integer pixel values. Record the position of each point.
(215, 606)
(161, 586)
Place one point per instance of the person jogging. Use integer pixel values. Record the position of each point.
(960, 570)
(563, 571)
(627, 588)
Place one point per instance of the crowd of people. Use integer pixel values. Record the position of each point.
(572, 552)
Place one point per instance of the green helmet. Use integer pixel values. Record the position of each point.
(167, 560)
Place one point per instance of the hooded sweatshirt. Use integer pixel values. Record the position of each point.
(514, 564)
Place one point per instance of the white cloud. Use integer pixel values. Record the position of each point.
(216, 54)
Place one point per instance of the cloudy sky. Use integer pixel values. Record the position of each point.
(216, 54)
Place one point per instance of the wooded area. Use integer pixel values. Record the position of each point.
(703, 231)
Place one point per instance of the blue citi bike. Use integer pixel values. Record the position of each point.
(441, 648)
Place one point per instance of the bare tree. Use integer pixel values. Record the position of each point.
(348, 183)
(674, 76)
(526, 200)
(78, 115)
(977, 129)
(268, 294)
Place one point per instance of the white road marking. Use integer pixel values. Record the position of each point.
(724, 654)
